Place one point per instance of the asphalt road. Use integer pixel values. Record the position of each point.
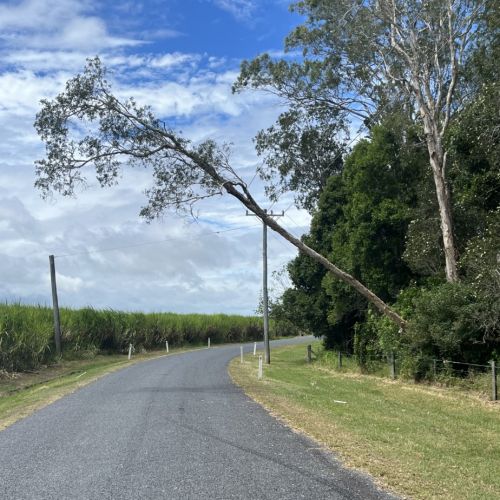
(172, 428)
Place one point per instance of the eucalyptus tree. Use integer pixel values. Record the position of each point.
(303, 152)
(86, 125)
(361, 56)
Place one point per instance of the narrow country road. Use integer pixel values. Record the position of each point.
(170, 428)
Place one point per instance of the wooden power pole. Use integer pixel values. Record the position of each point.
(265, 297)
(55, 305)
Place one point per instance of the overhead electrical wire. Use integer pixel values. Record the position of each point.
(135, 245)
(157, 242)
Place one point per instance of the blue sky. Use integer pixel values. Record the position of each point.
(221, 28)
(181, 58)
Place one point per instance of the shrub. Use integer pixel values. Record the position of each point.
(443, 324)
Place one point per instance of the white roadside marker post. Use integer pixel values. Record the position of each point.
(259, 375)
(129, 351)
(254, 348)
(166, 345)
(208, 341)
(241, 353)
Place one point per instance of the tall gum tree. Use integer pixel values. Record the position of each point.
(361, 56)
(87, 126)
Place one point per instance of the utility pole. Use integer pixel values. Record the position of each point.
(55, 305)
(265, 298)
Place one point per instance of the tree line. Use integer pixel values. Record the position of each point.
(405, 223)
(412, 210)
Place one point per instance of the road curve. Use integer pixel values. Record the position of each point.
(171, 428)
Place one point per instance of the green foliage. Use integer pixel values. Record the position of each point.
(473, 144)
(25, 336)
(380, 209)
(444, 324)
(480, 264)
(302, 153)
(26, 332)
(387, 64)
(358, 62)
(281, 324)
(423, 240)
(380, 179)
(360, 224)
(307, 303)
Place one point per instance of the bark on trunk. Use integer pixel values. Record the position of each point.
(437, 160)
(446, 223)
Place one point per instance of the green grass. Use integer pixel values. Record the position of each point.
(420, 441)
(476, 380)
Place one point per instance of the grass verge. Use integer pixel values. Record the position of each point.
(418, 441)
(21, 394)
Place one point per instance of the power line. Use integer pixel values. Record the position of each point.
(289, 206)
(253, 178)
(135, 245)
(89, 252)
(297, 225)
(280, 239)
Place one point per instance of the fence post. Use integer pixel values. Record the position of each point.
(494, 392)
(309, 353)
(340, 359)
(392, 361)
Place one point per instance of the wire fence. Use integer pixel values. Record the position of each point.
(480, 378)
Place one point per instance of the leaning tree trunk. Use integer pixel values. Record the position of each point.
(250, 203)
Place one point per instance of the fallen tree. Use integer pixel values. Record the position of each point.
(86, 125)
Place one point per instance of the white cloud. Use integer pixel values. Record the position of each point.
(67, 24)
(70, 284)
(171, 60)
(240, 9)
(21, 91)
(38, 14)
(161, 34)
(89, 33)
(193, 92)
(43, 60)
(72, 61)
(190, 271)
